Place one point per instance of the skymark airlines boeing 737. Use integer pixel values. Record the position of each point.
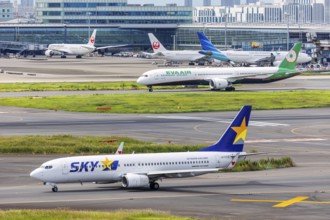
(143, 170)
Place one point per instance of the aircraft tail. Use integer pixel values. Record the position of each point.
(290, 60)
(233, 139)
(92, 38)
(156, 44)
(206, 43)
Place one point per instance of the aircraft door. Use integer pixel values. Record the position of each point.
(65, 168)
(217, 161)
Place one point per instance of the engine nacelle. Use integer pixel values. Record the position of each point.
(49, 53)
(132, 180)
(219, 84)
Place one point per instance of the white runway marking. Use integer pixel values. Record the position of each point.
(285, 140)
(251, 123)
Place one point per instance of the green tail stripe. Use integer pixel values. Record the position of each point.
(290, 59)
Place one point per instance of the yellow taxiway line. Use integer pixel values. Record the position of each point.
(283, 203)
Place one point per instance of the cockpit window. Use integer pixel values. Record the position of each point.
(145, 75)
(48, 167)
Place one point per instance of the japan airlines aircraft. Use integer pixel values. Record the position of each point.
(75, 49)
(246, 57)
(191, 56)
(218, 78)
(144, 170)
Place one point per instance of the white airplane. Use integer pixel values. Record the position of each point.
(191, 56)
(246, 57)
(219, 78)
(144, 170)
(75, 49)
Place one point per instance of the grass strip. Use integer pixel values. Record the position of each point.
(69, 144)
(59, 214)
(76, 86)
(263, 164)
(175, 102)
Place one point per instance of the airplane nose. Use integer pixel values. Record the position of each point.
(36, 174)
(140, 80)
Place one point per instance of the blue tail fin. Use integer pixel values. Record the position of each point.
(206, 43)
(233, 139)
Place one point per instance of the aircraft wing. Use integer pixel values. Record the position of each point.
(113, 46)
(267, 59)
(65, 51)
(179, 173)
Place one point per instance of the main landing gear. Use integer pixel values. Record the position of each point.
(154, 186)
(230, 88)
(78, 56)
(63, 56)
(150, 89)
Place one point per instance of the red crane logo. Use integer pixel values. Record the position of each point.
(155, 45)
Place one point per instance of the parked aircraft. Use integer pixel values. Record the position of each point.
(218, 78)
(191, 56)
(246, 57)
(75, 49)
(144, 170)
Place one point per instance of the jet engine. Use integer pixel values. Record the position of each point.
(49, 53)
(131, 180)
(218, 84)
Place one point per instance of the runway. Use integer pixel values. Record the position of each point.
(302, 192)
(300, 134)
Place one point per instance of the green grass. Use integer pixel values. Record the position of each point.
(59, 214)
(67, 86)
(76, 86)
(175, 102)
(68, 144)
(263, 164)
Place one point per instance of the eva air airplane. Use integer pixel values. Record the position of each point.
(144, 170)
(220, 78)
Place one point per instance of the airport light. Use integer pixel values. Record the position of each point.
(287, 15)
(226, 15)
(174, 41)
(64, 33)
(89, 23)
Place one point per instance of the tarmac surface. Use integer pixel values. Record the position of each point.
(301, 192)
(302, 135)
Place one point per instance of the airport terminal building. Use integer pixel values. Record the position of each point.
(117, 22)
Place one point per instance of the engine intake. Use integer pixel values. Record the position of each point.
(132, 180)
(49, 53)
(218, 84)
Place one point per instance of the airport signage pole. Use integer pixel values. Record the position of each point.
(287, 15)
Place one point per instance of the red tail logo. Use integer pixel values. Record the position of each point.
(155, 45)
(92, 40)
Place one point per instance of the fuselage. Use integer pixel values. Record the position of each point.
(111, 168)
(182, 55)
(190, 76)
(253, 57)
(73, 49)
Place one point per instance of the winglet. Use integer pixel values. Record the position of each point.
(92, 38)
(233, 161)
(156, 44)
(233, 139)
(290, 60)
(120, 148)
